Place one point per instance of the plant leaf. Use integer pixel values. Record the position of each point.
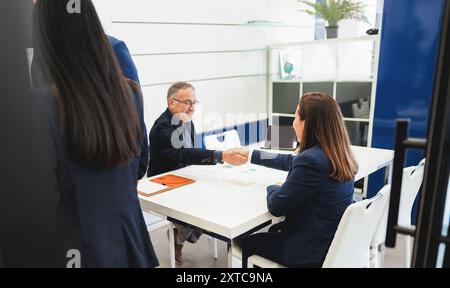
(334, 11)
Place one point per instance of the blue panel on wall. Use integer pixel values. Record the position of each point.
(408, 55)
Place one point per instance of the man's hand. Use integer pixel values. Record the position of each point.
(235, 157)
(242, 152)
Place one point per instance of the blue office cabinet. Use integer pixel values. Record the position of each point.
(408, 59)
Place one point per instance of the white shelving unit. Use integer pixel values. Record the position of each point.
(345, 68)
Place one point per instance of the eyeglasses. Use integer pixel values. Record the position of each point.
(187, 102)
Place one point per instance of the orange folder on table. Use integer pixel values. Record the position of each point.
(173, 181)
(170, 181)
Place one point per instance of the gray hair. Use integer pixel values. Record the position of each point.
(177, 87)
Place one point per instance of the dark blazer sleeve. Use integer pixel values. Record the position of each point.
(187, 156)
(299, 187)
(124, 57)
(144, 157)
(272, 160)
(129, 70)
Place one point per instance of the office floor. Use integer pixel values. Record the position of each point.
(200, 255)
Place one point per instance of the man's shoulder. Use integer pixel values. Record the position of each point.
(162, 122)
(164, 118)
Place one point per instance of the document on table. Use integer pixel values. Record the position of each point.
(246, 175)
(149, 187)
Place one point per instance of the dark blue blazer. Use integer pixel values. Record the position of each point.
(99, 210)
(124, 57)
(311, 200)
(164, 157)
(130, 72)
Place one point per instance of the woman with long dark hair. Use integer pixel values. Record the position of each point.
(97, 129)
(317, 191)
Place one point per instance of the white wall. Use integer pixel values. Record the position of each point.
(208, 43)
(353, 28)
(295, 25)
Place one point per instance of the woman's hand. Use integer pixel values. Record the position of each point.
(243, 152)
(235, 157)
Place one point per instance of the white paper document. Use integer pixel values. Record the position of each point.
(246, 175)
(148, 187)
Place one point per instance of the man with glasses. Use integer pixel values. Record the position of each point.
(172, 146)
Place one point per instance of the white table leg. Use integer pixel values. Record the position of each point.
(215, 249)
(230, 255)
(172, 246)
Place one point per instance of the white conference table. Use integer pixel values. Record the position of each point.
(227, 202)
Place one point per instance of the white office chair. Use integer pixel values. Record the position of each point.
(231, 140)
(155, 222)
(351, 242)
(411, 181)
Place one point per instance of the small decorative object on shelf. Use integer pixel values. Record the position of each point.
(288, 68)
(289, 64)
(333, 11)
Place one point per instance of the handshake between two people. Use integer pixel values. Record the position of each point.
(236, 156)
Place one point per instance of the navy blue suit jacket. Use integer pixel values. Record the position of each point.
(311, 200)
(129, 70)
(99, 210)
(124, 57)
(164, 156)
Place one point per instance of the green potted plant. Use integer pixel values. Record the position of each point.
(333, 11)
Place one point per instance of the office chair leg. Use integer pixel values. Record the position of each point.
(381, 255)
(172, 246)
(407, 251)
(215, 249)
(374, 258)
